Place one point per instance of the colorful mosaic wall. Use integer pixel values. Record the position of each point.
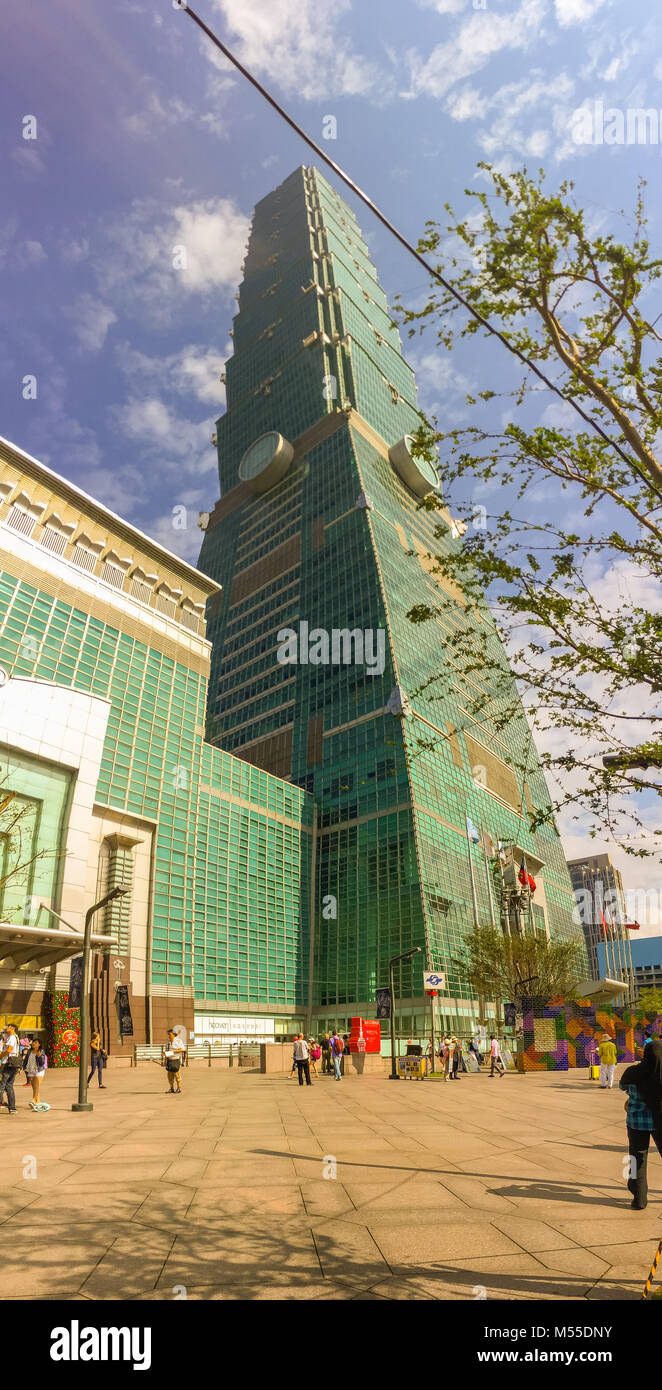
(560, 1034)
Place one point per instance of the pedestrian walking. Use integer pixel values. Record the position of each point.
(457, 1058)
(446, 1059)
(315, 1052)
(336, 1053)
(325, 1044)
(302, 1059)
(643, 1085)
(608, 1057)
(173, 1060)
(12, 1062)
(35, 1070)
(97, 1055)
(495, 1057)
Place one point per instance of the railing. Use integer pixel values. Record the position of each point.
(238, 1054)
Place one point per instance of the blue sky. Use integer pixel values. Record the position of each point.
(146, 139)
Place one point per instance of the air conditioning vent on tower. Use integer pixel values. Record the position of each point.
(312, 338)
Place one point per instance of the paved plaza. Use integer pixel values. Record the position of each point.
(507, 1188)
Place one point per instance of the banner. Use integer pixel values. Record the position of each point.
(124, 1011)
(509, 1015)
(76, 982)
(383, 1003)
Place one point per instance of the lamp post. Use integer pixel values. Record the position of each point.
(83, 1103)
(393, 961)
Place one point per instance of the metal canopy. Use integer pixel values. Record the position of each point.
(37, 948)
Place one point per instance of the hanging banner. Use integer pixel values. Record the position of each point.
(124, 1011)
(76, 982)
(509, 1013)
(383, 1003)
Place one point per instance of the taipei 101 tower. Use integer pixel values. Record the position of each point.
(318, 676)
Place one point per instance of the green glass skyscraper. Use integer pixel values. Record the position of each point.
(317, 674)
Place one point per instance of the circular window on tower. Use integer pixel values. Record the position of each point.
(266, 461)
(417, 473)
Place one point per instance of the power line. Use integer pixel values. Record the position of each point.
(430, 269)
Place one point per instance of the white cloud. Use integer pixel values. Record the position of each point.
(466, 104)
(91, 319)
(194, 370)
(150, 422)
(301, 45)
(184, 541)
(576, 11)
(152, 260)
(478, 39)
(444, 6)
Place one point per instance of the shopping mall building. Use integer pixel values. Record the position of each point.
(264, 750)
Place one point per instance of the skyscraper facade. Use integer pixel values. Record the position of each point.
(600, 897)
(317, 674)
(103, 688)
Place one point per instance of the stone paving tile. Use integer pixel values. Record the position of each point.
(325, 1198)
(234, 1253)
(129, 1267)
(578, 1261)
(293, 1288)
(412, 1202)
(618, 1231)
(65, 1205)
(347, 1248)
(512, 1277)
(404, 1245)
(475, 1194)
(115, 1174)
(49, 1172)
(532, 1235)
(62, 1262)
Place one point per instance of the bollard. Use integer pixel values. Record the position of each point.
(649, 1281)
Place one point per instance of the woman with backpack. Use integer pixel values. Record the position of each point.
(336, 1053)
(35, 1070)
(314, 1052)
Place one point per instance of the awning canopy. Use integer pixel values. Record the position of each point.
(37, 948)
(600, 991)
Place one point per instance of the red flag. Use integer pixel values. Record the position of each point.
(632, 926)
(524, 877)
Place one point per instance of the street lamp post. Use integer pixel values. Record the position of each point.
(393, 961)
(83, 1103)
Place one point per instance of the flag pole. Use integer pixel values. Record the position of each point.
(474, 899)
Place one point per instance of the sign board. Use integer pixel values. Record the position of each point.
(433, 979)
(383, 999)
(233, 1026)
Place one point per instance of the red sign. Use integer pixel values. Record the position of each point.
(69, 1037)
(365, 1035)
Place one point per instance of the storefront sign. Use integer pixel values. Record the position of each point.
(233, 1026)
